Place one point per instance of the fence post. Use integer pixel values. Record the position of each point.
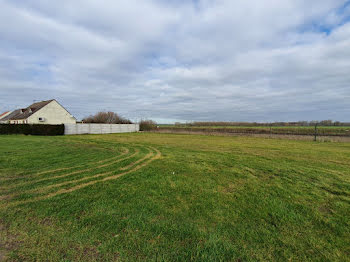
(315, 139)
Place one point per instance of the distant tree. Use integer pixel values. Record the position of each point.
(314, 122)
(326, 123)
(303, 123)
(106, 118)
(252, 124)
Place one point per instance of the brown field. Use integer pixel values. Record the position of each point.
(260, 132)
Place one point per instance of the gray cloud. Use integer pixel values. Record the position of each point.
(184, 60)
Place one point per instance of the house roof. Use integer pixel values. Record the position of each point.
(24, 113)
(12, 114)
(3, 114)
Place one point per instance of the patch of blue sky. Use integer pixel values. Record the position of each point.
(323, 25)
(159, 60)
(343, 14)
(344, 11)
(39, 72)
(26, 67)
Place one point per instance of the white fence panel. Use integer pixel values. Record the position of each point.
(79, 129)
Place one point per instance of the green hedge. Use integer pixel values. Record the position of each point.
(35, 129)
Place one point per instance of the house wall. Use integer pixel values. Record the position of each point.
(18, 121)
(53, 114)
(79, 129)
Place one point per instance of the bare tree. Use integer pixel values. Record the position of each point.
(106, 118)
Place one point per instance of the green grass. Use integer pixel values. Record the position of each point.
(207, 198)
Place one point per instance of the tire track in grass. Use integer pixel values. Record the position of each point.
(107, 178)
(78, 171)
(150, 154)
(92, 168)
(64, 191)
(126, 151)
(43, 189)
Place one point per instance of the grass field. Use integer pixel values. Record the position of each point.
(171, 197)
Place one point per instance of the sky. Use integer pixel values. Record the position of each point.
(177, 60)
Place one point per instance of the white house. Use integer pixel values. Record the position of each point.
(48, 112)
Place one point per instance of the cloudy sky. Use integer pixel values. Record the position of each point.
(243, 60)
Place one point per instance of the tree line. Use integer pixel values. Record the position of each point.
(252, 124)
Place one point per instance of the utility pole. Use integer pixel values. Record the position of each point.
(315, 139)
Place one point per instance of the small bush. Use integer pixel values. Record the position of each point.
(35, 129)
(147, 125)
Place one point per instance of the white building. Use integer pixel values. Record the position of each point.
(48, 112)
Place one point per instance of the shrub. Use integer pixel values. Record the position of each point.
(35, 129)
(147, 125)
(106, 118)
